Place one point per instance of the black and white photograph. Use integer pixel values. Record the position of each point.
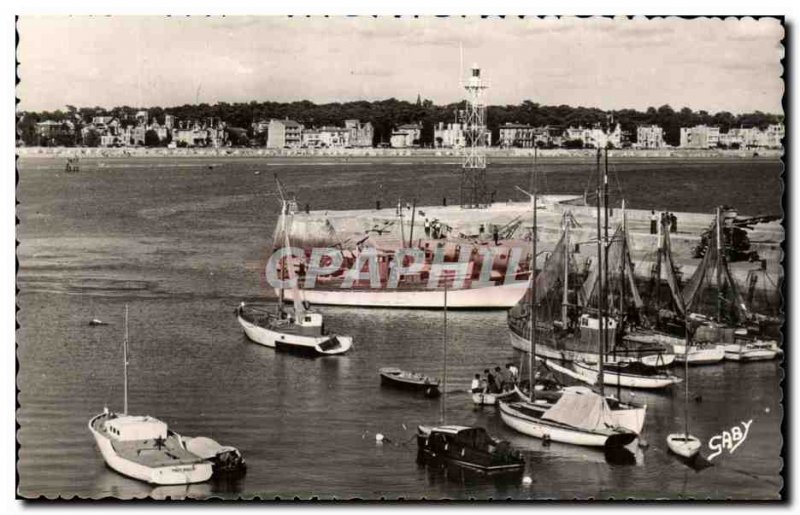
(527, 258)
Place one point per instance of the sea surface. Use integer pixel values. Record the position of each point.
(182, 241)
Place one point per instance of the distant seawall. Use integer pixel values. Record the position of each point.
(439, 153)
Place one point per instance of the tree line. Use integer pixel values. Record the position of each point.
(386, 115)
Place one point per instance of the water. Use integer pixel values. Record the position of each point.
(182, 244)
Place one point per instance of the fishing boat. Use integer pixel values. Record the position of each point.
(405, 380)
(470, 447)
(297, 330)
(143, 447)
(627, 375)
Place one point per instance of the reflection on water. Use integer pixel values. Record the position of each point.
(306, 427)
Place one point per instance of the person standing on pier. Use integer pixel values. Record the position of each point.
(427, 228)
(673, 223)
(481, 230)
(496, 235)
(653, 222)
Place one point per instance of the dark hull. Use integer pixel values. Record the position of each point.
(429, 390)
(297, 350)
(464, 456)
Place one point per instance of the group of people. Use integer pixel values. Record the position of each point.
(495, 233)
(670, 219)
(496, 381)
(434, 229)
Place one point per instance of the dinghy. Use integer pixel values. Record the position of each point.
(405, 380)
(684, 444)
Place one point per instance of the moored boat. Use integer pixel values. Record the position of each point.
(470, 447)
(578, 418)
(628, 375)
(405, 380)
(683, 445)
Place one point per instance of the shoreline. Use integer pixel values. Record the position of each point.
(383, 153)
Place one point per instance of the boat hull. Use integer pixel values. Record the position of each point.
(684, 446)
(491, 399)
(165, 475)
(429, 389)
(700, 355)
(502, 296)
(545, 430)
(737, 352)
(292, 343)
(545, 351)
(626, 380)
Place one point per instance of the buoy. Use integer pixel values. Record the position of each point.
(527, 480)
(643, 444)
(766, 410)
(378, 437)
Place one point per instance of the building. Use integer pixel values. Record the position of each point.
(310, 138)
(52, 133)
(284, 134)
(595, 137)
(361, 134)
(449, 136)
(516, 135)
(169, 121)
(650, 136)
(406, 136)
(773, 136)
(334, 137)
(700, 136)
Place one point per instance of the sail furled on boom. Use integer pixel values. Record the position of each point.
(711, 290)
(621, 280)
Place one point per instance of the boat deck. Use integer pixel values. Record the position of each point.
(150, 453)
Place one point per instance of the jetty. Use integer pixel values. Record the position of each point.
(387, 229)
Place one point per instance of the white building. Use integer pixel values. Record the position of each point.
(449, 136)
(284, 134)
(649, 136)
(406, 136)
(700, 136)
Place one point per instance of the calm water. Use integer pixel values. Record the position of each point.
(182, 244)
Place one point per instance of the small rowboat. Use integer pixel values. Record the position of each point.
(490, 399)
(404, 380)
(683, 445)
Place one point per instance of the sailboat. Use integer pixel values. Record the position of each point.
(685, 444)
(297, 330)
(471, 447)
(143, 447)
(579, 416)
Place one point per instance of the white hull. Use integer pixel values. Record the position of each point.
(653, 360)
(700, 355)
(530, 426)
(745, 352)
(490, 399)
(589, 375)
(270, 338)
(489, 297)
(166, 475)
(682, 445)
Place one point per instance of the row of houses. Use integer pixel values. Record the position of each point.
(704, 136)
(526, 136)
(291, 134)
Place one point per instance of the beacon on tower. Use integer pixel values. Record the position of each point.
(473, 118)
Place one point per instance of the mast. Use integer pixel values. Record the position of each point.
(686, 376)
(532, 353)
(604, 288)
(622, 263)
(411, 231)
(600, 292)
(402, 225)
(444, 347)
(718, 268)
(285, 260)
(125, 361)
(565, 296)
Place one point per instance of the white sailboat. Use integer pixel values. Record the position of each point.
(142, 447)
(297, 330)
(684, 444)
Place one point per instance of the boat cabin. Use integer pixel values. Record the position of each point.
(129, 428)
(590, 327)
(309, 320)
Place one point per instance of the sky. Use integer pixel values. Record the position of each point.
(705, 64)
